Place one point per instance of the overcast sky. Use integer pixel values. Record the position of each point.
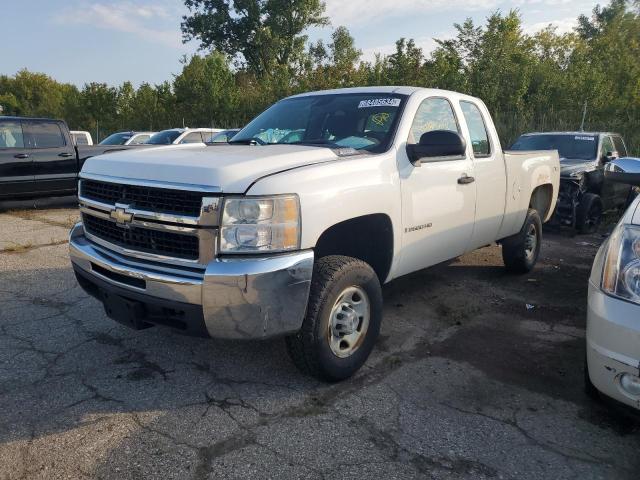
(81, 41)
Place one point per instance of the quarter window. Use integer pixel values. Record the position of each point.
(11, 135)
(477, 129)
(433, 114)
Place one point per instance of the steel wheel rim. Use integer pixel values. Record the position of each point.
(349, 321)
(531, 242)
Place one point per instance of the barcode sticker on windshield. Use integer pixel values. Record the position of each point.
(588, 139)
(380, 102)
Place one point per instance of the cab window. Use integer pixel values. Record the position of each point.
(477, 129)
(620, 147)
(433, 114)
(11, 135)
(607, 146)
(45, 135)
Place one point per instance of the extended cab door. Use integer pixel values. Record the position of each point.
(55, 165)
(489, 172)
(16, 173)
(438, 197)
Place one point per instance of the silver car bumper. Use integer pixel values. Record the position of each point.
(613, 344)
(235, 298)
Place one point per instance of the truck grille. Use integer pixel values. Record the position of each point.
(146, 240)
(153, 199)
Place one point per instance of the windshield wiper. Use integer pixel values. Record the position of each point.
(319, 142)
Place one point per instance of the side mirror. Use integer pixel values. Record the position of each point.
(435, 145)
(623, 170)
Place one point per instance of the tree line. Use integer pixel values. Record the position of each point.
(255, 52)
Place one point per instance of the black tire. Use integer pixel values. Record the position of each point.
(518, 254)
(589, 213)
(309, 348)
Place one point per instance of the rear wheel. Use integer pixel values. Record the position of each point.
(589, 213)
(520, 251)
(342, 321)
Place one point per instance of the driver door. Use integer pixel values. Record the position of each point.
(438, 200)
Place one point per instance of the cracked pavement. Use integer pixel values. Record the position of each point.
(465, 382)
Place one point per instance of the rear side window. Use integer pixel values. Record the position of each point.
(195, 137)
(45, 135)
(11, 135)
(81, 139)
(620, 148)
(433, 114)
(477, 129)
(139, 139)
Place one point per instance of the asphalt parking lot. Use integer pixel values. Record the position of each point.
(466, 381)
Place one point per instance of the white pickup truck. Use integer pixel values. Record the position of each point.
(291, 229)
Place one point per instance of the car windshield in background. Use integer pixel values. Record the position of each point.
(116, 139)
(571, 147)
(164, 138)
(222, 137)
(355, 120)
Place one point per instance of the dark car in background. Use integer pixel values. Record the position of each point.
(584, 193)
(38, 157)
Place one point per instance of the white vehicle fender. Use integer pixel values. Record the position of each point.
(340, 190)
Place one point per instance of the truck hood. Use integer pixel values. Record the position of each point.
(232, 168)
(574, 168)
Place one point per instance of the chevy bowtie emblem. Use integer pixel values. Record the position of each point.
(121, 216)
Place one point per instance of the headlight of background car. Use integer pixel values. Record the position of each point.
(260, 224)
(621, 276)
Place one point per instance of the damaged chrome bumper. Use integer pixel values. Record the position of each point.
(234, 298)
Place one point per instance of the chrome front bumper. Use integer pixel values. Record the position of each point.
(240, 298)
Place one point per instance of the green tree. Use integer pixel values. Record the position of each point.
(264, 34)
(205, 91)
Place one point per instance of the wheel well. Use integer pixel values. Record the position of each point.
(541, 200)
(368, 238)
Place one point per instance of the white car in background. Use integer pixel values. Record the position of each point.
(177, 136)
(81, 137)
(613, 318)
(127, 138)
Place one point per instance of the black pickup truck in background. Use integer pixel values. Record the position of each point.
(38, 158)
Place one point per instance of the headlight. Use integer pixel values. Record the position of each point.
(621, 275)
(260, 224)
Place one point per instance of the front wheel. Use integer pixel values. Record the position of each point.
(342, 321)
(589, 213)
(520, 251)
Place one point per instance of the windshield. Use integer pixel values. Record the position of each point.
(574, 147)
(363, 121)
(166, 137)
(116, 139)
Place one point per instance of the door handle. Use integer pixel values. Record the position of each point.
(65, 154)
(21, 155)
(466, 179)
